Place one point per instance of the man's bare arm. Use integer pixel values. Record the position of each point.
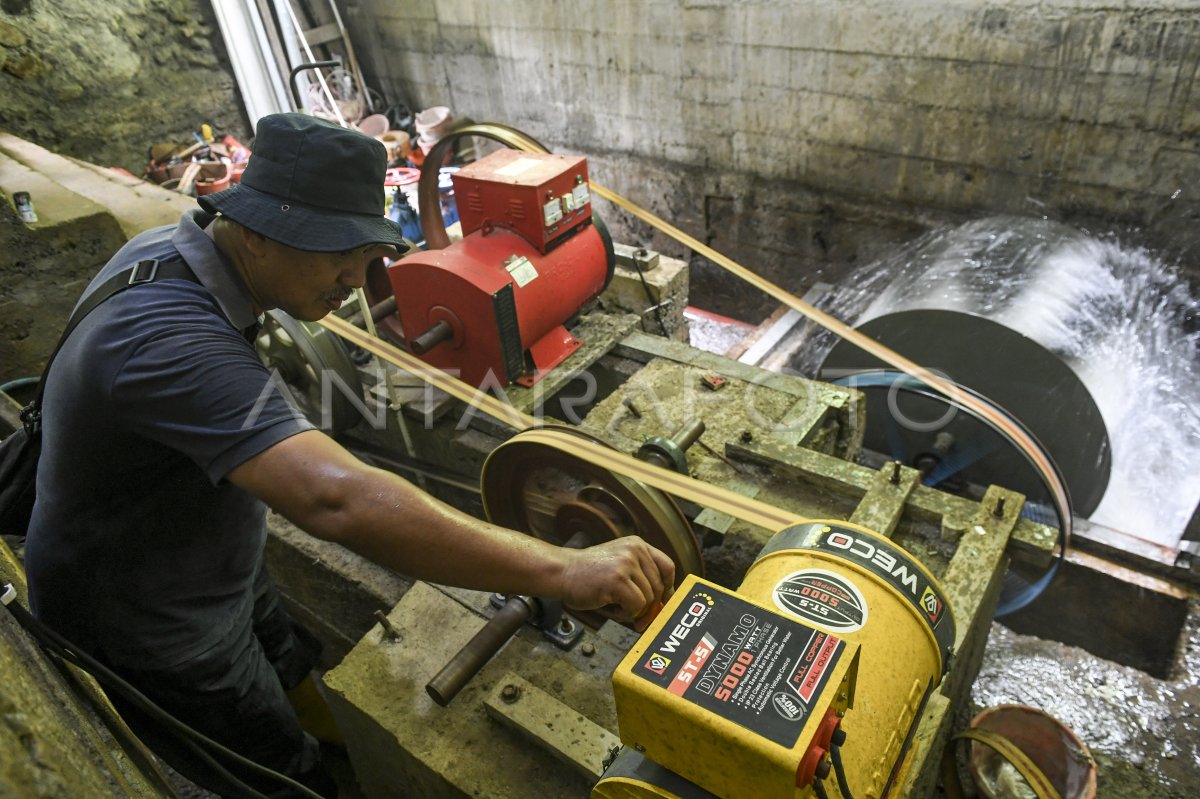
(326, 491)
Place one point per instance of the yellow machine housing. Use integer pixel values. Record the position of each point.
(731, 695)
(894, 631)
(865, 588)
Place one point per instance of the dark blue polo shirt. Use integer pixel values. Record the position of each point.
(138, 547)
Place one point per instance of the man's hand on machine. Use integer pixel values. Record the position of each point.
(626, 572)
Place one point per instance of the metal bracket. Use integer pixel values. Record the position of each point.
(558, 628)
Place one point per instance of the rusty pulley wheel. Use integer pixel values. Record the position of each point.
(530, 485)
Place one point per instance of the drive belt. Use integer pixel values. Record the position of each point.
(1029, 771)
(703, 494)
(669, 482)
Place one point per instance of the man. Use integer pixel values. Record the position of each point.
(159, 460)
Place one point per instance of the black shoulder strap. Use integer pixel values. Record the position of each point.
(142, 272)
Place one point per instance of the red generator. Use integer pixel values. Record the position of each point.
(491, 308)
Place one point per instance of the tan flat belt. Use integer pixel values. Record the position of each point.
(665, 480)
(1029, 771)
(680, 485)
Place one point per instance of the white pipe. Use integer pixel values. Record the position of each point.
(258, 77)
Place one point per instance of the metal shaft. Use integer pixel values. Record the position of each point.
(688, 434)
(431, 338)
(668, 453)
(385, 307)
(487, 642)
(479, 650)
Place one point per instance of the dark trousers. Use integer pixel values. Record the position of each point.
(235, 694)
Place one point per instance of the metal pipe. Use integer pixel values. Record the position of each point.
(479, 650)
(688, 434)
(381, 309)
(296, 70)
(668, 453)
(487, 642)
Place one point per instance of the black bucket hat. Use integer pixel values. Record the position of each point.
(311, 185)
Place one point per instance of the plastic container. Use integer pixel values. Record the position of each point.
(214, 177)
(432, 124)
(446, 195)
(1050, 744)
(24, 205)
(374, 125)
(398, 145)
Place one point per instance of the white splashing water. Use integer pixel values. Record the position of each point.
(1115, 314)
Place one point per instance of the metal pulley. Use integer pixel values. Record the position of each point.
(316, 368)
(530, 485)
(989, 307)
(533, 487)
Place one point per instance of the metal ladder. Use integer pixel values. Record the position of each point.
(329, 33)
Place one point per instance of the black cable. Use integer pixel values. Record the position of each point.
(819, 789)
(59, 646)
(839, 771)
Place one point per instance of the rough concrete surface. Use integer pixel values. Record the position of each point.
(83, 215)
(104, 81)
(59, 738)
(799, 139)
(403, 744)
(41, 276)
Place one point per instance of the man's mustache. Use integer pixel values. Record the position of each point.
(339, 294)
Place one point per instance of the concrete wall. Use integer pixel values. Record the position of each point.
(807, 135)
(798, 138)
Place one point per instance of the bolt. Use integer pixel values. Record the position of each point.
(578, 180)
(587, 650)
(628, 403)
(640, 253)
(998, 511)
(389, 631)
(746, 437)
(565, 626)
(896, 473)
(639, 747)
(510, 693)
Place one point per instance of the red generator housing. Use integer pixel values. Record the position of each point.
(491, 308)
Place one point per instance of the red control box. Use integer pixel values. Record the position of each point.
(540, 196)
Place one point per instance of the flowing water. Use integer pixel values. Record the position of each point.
(1122, 319)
